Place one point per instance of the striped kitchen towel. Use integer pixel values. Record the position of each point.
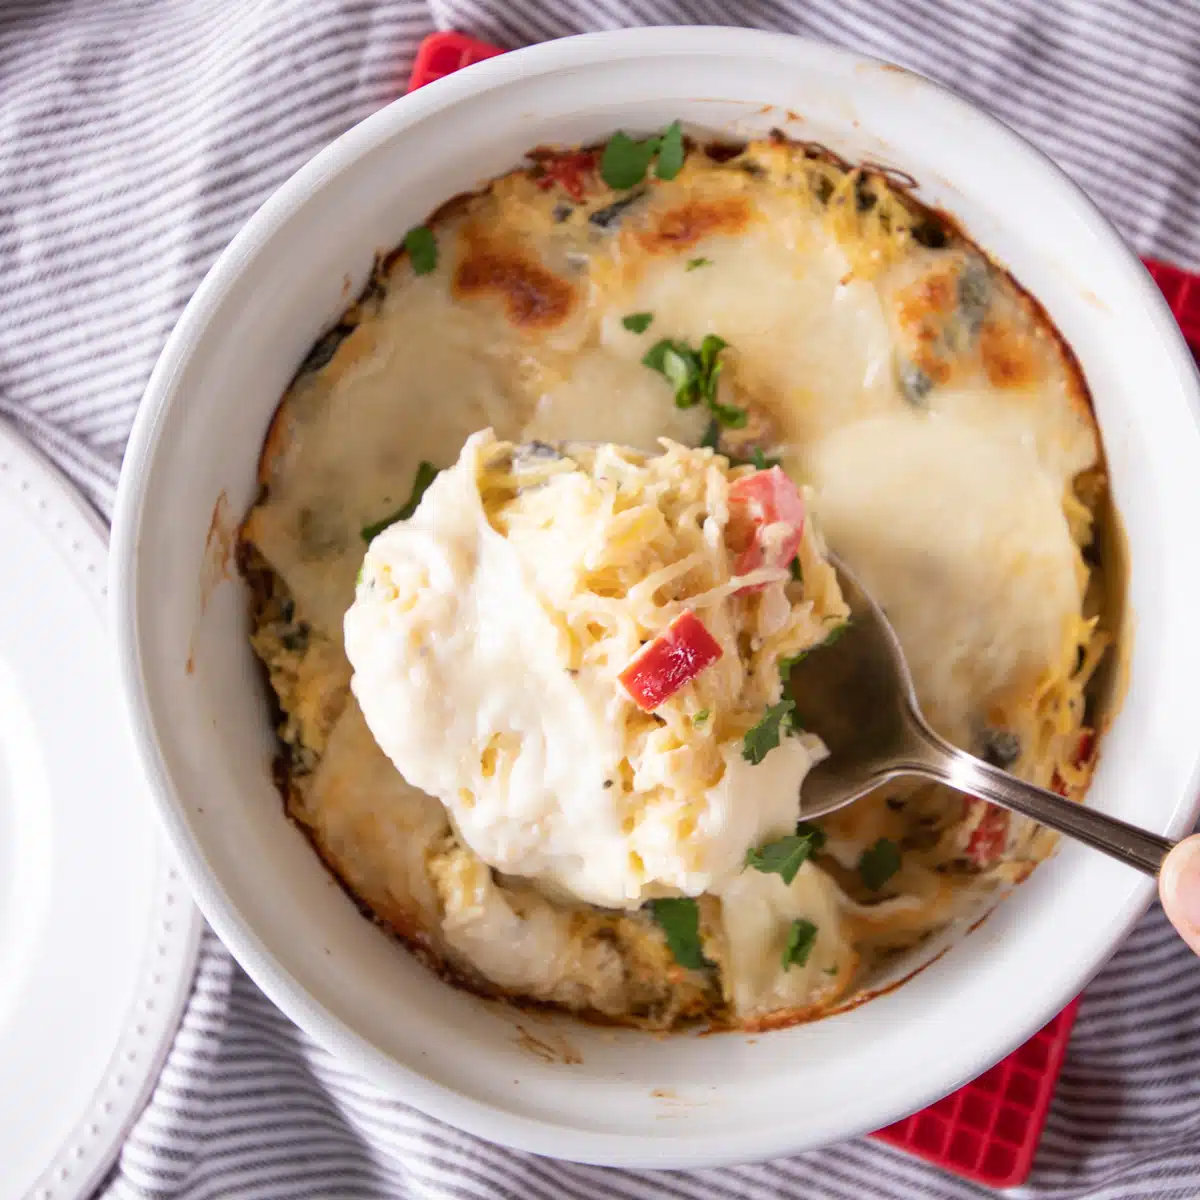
(137, 135)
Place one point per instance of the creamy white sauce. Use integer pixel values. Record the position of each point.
(455, 649)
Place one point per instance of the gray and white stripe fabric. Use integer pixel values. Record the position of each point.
(135, 137)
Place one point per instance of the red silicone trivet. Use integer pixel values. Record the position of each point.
(1183, 295)
(989, 1129)
(444, 53)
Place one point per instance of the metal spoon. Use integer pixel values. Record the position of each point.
(857, 696)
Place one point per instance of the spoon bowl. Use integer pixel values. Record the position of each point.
(856, 693)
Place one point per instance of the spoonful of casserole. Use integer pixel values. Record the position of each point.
(581, 650)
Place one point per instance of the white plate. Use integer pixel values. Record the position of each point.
(98, 936)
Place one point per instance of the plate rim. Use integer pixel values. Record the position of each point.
(173, 927)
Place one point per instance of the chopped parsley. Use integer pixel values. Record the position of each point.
(679, 373)
(762, 738)
(710, 368)
(836, 632)
(796, 570)
(758, 460)
(625, 161)
(638, 322)
(693, 375)
(426, 474)
(790, 660)
(670, 152)
(679, 919)
(814, 832)
(802, 937)
(879, 863)
(695, 264)
(786, 855)
(422, 249)
(701, 717)
(831, 970)
(728, 415)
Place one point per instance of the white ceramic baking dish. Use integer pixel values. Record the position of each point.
(195, 698)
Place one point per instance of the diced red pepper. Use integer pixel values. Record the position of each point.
(988, 838)
(674, 658)
(766, 500)
(568, 171)
(1087, 743)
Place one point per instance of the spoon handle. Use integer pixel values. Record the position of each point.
(1133, 846)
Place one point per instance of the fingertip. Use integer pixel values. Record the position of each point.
(1179, 889)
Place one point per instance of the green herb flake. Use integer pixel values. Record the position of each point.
(796, 570)
(831, 970)
(681, 375)
(783, 857)
(680, 364)
(702, 716)
(670, 152)
(728, 415)
(693, 375)
(694, 264)
(712, 435)
(802, 937)
(762, 738)
(653, 358)
(788, 661)
(709, 349)
(679, 919)
(422, 249)
(814, 833)
(836, 633)
(758, 460)
(426, 474)
(638, 322)
(624, 162)
(879, 863)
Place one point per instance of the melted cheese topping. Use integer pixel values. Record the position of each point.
(757, 912)
(923, 400)
(961, 538)
(487, 637)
